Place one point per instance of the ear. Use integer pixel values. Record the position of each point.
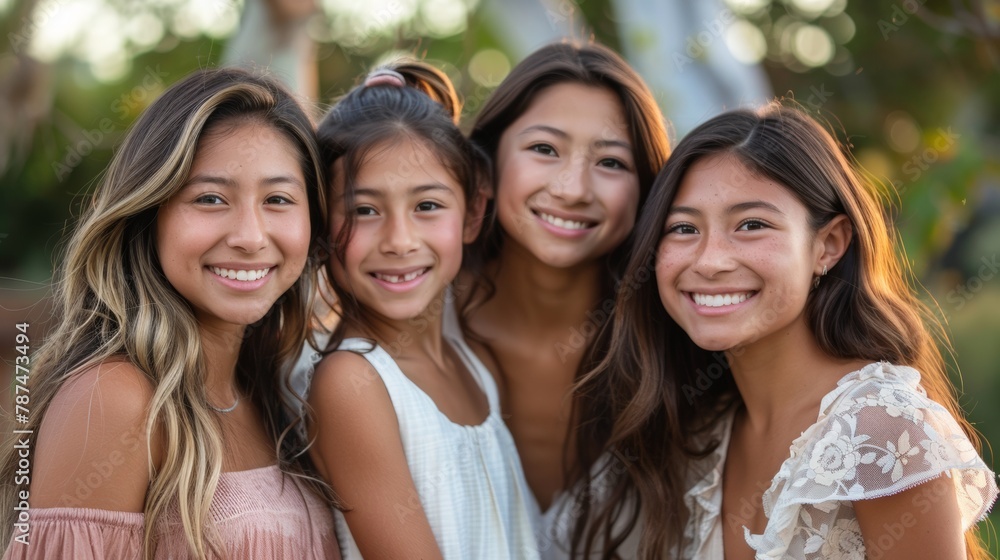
(474, 215)
(832, 241)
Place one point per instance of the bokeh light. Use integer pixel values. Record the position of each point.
(901, 132)
(746, 42)
(812, 45)
(489, 67)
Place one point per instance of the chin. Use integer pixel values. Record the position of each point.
(715, 344)
(560, 260)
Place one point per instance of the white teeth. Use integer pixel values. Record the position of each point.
(241, 275)
(720, 300)
(396, 278)
(559, 222)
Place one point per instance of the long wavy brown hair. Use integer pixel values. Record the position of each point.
(865, 309)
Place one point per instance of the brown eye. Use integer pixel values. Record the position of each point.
(544, 149)
(612, 163)
(683, 229)
(209, 199)
(752, 225)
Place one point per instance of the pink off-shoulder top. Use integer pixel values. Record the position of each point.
(259, 513)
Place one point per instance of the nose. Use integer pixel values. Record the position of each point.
(249, 230)
(398, 236)
(572, 185)
(715, 255)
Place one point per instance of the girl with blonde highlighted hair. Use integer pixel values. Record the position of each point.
(156, 425)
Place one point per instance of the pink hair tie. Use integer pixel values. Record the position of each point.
(385, 77)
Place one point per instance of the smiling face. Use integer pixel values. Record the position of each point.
(738, 256)
(409, 229)
(236, 235)
(567, 189)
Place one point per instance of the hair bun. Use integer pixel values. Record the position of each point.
(385, 77)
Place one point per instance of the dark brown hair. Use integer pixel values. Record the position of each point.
(426, 110)
(596, 66)
(864, 309)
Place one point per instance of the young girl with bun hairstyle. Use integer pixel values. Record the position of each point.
(576, 139)
(786, 386)
(155, 428)
(407, 427)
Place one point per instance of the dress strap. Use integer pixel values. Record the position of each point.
(451, 328)
(401, 389)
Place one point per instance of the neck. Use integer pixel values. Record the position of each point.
(221, 348)
(541, 295)
(784, 377)
(421, 335)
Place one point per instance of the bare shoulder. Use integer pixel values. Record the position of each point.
(341, 379)
(358, 449)
(91, 449)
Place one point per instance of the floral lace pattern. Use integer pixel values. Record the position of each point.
(877, 434)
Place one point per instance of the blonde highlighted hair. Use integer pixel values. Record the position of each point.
(113, 300)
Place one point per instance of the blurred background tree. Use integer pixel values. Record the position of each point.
(911, 86)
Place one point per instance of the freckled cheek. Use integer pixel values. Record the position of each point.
(666, 270)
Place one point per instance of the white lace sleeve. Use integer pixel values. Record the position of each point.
(883, 435)
(878, 434)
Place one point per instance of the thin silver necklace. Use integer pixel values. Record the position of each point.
(225, 410)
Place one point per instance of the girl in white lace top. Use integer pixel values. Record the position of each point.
(766, 350)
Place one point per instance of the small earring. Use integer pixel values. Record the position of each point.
(816, 279)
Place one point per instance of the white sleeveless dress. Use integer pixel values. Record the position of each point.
(469, 478)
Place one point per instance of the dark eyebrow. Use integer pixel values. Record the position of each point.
(229, 182)
(562, 134)
(613, 144)
(212, 179)
(734, 209)
(545, 128)
(683, 210)
(754, 205)
(419, 189)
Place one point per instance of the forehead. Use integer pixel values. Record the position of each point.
(722, 180)
(576, 106)
(246, 139)
(397, 164)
